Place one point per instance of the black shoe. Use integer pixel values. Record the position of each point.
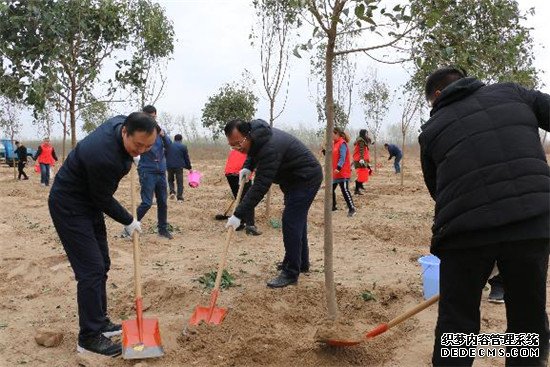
(100, 345)
(303, 269)
(358, 192)
(351, 213)
(26, 178)
(240, 228)
(334, 208)
(166, 234)
(282, 280)
(496, 295)
(111, 329)
(252, 230)
(180, 199)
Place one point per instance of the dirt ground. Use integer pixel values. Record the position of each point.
(376, 251)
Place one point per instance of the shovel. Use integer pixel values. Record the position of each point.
(212, 314)
(340, 342)
(140, 337)
(224, 215)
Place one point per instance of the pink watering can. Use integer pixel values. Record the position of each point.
(194, 178)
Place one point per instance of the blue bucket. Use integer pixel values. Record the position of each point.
(430, 275)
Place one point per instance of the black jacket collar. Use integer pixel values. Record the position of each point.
(456, 91)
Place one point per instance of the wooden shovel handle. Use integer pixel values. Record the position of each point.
(382, 328)
(229, 207)
(230, 232)
(413, 311)
(135, 234)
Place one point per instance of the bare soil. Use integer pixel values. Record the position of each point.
(376, 251)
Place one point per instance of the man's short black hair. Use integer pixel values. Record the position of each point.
(178, 137)
(242, 126)
(17, 142)
(441, 78)
(149, 109)
(140, 121)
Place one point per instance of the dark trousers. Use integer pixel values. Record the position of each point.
(233, 181)
(344, 187)
(84, 239)
(21, 169)
(177, 174)
(45, 174)
(523, 267)
(297, 203)
(396, 164)
(154, 183)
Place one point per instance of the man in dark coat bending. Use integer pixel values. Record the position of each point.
(485, 167)
(80, 196)
(278, 157)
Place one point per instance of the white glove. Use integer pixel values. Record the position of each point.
(244, 174)
(136, 160)
(233, 221)
(362, 162)
(134, 226)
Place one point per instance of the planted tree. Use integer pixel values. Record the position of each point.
(411, 113)
(274, 33)
(95, 113)
(375, 96)
(487, 38)
(333, 20)
(231, 102)
(55, 50)
(10, 122)
(152, 44)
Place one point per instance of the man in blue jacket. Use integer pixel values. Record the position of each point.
(80, 196)
(177, 158)
(486, 169)
(394, 152)
(152, 178)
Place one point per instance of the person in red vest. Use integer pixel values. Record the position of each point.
(46, 157)
(361, 159)
(341, 169)
(234, 164)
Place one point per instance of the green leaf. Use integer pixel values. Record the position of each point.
(296, 53)
(367, 296)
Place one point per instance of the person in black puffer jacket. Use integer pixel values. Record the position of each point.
(485, 167)
(278, 157)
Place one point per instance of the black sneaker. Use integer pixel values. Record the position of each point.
(334, 208)
(282, 280)
(351, 213)
(111, 329)
(99, 345)
(252, 230)
(166, 234)
(240, 228)
(496, 295)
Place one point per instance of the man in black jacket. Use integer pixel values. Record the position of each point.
(278, 157)
(21, 153)
(486, 169)
(80, 196)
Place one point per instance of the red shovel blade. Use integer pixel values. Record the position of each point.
(141, 337)
(210, 315)
(351, 342)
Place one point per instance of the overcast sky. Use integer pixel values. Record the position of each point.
(213, 48)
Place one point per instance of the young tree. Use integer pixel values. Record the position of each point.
(375, 96)
(56, 49)
(487, 38)
(231, 102)
(153, 45)
(411, 113)
(334, 19)
(94, 114)
(274, 32)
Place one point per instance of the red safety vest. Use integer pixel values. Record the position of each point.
(46, 155)
(345, 172)
(235, 162)
(357, 152)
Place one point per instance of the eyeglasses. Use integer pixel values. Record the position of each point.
(239, 144)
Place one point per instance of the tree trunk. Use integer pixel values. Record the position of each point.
(64, 136)
(375, 155)
(268, 198)
(402, 156)
(14, 160)
(72, 114)
(328, 245)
